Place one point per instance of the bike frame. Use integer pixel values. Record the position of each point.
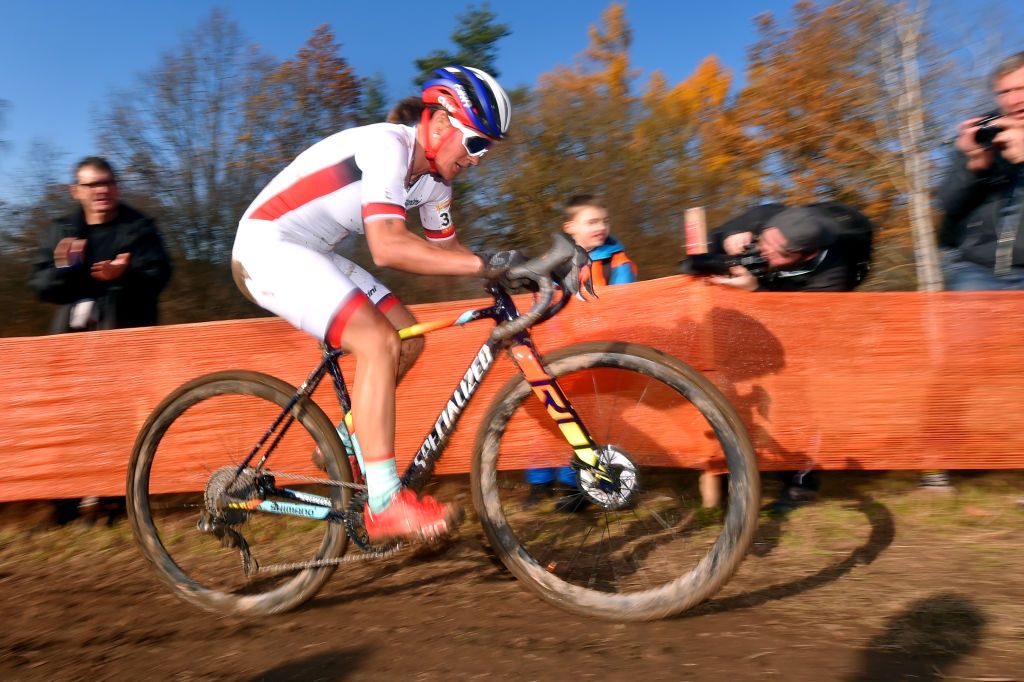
(420, 469)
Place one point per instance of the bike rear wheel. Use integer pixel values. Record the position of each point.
(648, 549)
(182, 476)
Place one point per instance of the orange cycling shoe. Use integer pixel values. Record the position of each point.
(407, 516)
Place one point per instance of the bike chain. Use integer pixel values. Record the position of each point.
(382, 553)
(314, 479)
(353, 528)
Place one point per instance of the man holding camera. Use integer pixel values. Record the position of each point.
(982, 195)
(817, 247)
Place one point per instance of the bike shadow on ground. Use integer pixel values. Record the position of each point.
(924, 641)
(336, 664)
(883, 531)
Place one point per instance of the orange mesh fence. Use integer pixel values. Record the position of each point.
(835, 381)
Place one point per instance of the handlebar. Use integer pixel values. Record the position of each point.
(537, 270)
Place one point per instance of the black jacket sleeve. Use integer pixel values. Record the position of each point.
(149, 265)
(960, 193)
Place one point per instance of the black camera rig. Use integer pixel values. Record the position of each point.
(719, 264)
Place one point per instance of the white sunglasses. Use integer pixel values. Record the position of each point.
(473, 142)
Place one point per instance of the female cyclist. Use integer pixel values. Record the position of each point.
(362, 180)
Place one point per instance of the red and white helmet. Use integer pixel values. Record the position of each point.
(472, 97)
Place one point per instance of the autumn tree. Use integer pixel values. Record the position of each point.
(814, 109)
(589, 128)
(691, 151)
(42, 190)
(809, 101)
(205, 130)
(568, 136)
(176, 136)
(299, 102)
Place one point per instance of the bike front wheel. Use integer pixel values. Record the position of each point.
(187, 504)
(637, 544)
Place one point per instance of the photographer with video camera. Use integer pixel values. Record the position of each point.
(982, 195)
(815, 247)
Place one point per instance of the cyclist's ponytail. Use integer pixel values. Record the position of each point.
(407, 112)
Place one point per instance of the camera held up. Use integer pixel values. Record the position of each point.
(985, 130)
(719, 264)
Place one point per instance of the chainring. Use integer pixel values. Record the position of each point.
(354, 522)
(357, 531)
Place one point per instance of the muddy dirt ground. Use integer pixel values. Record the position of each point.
(877, 581)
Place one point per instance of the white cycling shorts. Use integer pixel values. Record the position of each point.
(295, 281)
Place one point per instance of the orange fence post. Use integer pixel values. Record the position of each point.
(696, 230)
(697, 243)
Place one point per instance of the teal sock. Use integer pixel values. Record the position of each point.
(351, 444)
(381, 483)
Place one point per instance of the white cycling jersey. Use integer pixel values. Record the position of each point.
(350, 178)
(287, 240)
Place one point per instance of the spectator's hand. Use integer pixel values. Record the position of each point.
(739, 277)
(735, 244)
(69, 251)
(107, 270)
(978, 158)
(1011, 143)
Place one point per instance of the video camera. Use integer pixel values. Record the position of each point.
(719, 264)
(985, 130)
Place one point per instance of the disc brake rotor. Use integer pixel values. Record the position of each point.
(615, 490)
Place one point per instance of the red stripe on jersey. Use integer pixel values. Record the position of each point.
(383, 211)
(305, 190)
(443, 233)
(387, 303)
(341, 317)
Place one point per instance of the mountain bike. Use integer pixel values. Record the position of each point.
(636, 426)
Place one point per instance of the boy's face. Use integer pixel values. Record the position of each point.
(589, 228)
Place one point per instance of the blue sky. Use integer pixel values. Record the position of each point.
(63, 59)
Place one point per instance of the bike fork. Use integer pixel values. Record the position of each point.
(560, 410)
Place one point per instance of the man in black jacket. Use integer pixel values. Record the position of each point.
(982, 195)
(982, 198)
(105, 264)
(816, 247)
